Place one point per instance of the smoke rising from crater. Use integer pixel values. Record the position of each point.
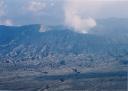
(74, 17)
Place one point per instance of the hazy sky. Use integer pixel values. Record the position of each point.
(21, 12)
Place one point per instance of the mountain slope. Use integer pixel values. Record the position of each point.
(26, 48)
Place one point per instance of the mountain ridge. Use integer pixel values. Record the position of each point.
(25, 47)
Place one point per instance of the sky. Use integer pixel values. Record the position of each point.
(79, 14)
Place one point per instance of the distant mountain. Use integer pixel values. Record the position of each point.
(114, 28)
(59, 46)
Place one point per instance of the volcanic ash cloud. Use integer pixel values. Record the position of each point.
(74, 18)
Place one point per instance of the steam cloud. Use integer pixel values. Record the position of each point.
(42, 28)
(74, 18)
(6, 22)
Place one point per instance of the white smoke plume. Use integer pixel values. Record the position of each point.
(42, 28)
(6, 22)
(75, 18)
